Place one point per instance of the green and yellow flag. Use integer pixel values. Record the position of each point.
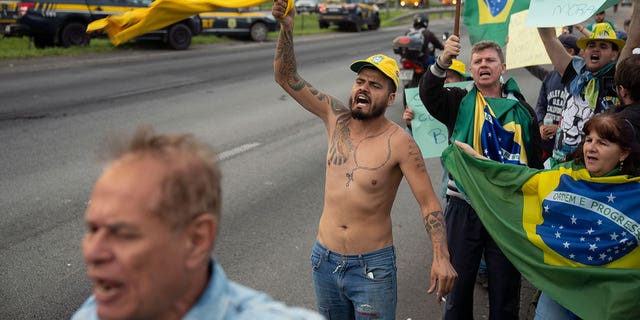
(501, 127)
(161, 13)
(573, 236)
(489, 19)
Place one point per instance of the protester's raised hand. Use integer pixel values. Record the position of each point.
(451, 49)
(279, 11)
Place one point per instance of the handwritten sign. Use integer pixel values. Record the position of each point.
(525, 48)
(558, 13)
(430, 134)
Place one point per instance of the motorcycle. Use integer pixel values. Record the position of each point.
(409, 47)
(413, 64)
(412, 61)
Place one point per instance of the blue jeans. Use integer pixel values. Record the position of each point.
(549, 309)
(359, 287)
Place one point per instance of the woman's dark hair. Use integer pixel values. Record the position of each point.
(618, 130)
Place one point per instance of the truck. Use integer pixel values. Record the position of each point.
(64, 22)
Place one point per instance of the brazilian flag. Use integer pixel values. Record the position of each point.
(573, 236)
(501, 126)
(489, 19)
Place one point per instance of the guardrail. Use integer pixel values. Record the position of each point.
(441, 10)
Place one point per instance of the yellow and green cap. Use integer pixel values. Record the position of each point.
(459, 67)
(603, 32)
(386, 65)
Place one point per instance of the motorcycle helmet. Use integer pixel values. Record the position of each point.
(421, 21)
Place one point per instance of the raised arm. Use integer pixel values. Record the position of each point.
(584, 31)
(443, 276)
(285, 69)
(442, 103)
(633, 37)
(560, 58)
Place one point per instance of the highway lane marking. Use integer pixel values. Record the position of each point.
(237, 150)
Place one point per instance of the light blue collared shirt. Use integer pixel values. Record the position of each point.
(224, 299)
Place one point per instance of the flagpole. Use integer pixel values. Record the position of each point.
(456, 21)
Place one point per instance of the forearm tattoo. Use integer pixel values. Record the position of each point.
(288, 67)
(434, 223)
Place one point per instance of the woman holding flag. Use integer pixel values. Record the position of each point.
(573, 228)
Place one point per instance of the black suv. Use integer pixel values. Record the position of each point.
(349, 14)
(64, 22)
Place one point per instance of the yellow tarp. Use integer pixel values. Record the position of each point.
(161, 13)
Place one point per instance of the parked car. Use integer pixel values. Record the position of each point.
(8, 16)
(310, 6)
(64, 22)
(239, 22)
(349, 14)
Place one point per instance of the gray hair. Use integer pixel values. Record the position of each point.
(190, 185)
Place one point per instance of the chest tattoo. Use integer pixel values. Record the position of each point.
(350, 175)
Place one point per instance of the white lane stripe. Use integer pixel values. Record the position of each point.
(237, 150)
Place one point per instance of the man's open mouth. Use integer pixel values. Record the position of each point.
(362, 99)
(106, 290)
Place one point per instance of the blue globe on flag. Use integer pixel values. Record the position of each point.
(496, 6)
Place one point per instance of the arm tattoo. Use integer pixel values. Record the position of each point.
(297, 83)
(288, 64)
(321, 96)
(416, 155)
(284, 52)
(288, 69)
(340, 145)
(434, 223)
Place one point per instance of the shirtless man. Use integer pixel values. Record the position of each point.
(353, 260)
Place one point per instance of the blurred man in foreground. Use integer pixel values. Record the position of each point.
(150, 229)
